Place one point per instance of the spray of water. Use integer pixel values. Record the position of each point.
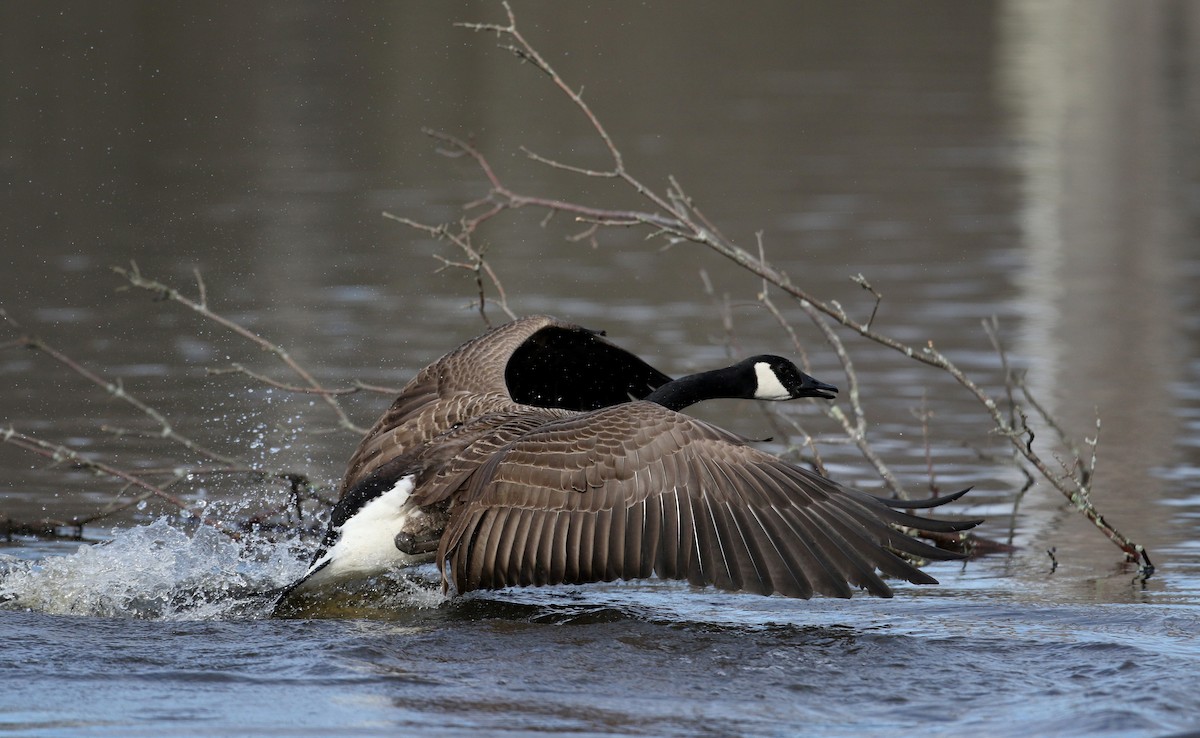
(161, 571)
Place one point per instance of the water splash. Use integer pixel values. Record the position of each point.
(160, 571)
(149, 571)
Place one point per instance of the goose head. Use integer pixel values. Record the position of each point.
(776, 378)
(763, 377)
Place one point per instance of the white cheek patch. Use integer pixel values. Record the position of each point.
(769, 387)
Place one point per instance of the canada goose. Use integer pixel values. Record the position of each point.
(540, 453)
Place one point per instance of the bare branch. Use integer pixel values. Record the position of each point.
(377, 388)
(236, 368)
(117, 389)
(861, 281)
(675, 218)
(608, 174)
(672, 217)
(134, 276)
(58, 454)
(477, 265)
(201, 289)
(923, 414)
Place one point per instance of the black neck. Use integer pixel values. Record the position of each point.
(679, 393)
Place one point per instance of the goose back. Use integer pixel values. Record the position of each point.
(533, 362)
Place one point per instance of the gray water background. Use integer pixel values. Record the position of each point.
(1037, 162)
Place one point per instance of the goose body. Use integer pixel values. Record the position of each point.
(540, 453)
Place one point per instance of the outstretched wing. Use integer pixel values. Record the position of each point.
(636, 490)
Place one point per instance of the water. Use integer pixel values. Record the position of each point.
(151, 642)
(979, 653)
(1032, 161)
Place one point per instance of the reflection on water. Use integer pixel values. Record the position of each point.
(1102, 226)
(1033, 161)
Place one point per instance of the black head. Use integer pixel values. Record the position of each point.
(776, 378)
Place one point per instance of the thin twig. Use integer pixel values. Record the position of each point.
(477, 265)
(135, 278)
(924, 414)
(116, 388)
(58, 454)
(861, 281)
(237, 368)
(675, 218)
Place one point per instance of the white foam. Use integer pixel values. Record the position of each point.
(163, 570)
(153, 571)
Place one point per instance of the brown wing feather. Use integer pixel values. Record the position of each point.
(470, 382)
(638, 490)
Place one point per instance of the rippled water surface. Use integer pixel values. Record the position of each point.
(644, 659)
(1030, 161)
(185, 651)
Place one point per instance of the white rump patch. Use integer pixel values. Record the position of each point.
(769, 387)
(366, 543)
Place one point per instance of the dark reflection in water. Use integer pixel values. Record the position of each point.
(1032, 161)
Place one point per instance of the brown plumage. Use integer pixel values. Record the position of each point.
(532, 363)
(637, 490)
(525, 458)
